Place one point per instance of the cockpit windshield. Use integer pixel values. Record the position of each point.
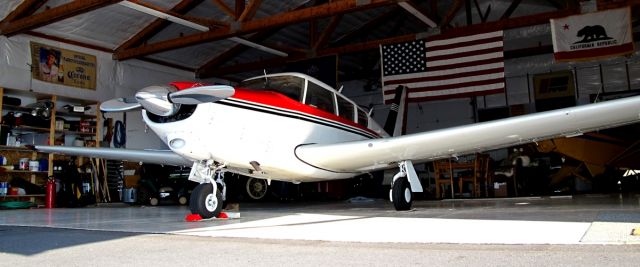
(290, 86)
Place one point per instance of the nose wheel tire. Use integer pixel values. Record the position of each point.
(401, 194)
(204, 202)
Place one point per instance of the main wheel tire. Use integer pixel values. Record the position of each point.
(204, 202)
(256, 188)
(401, 194)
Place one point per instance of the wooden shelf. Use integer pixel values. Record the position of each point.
(17, 196)
(75, 133)
(74, 114)
(46, 134)
(17, 148)
(26, 171)
(24, 128)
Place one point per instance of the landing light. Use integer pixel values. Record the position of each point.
(177, 143)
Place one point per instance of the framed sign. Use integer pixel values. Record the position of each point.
(62, 66)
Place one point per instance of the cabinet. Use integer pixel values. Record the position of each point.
(40, 119)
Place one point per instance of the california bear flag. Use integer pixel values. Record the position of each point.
(592, 35)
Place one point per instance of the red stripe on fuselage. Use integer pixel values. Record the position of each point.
(274, 99)
(277, 100)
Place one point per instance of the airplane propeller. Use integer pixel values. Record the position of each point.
(165, 100)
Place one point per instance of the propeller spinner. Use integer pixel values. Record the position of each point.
(164, 100)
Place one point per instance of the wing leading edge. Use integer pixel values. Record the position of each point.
(383, 153)
(147, 156)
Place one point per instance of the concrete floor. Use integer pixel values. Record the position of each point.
(586, 219)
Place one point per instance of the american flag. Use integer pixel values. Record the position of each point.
(440, 68)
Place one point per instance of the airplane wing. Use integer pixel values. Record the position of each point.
(166, 157)
(384, 153)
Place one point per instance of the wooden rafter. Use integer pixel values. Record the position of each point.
(555, 4)
(53, 15)
(204, 21)
(457, 4)
(158, 25)
(371, 24)
(483, 16)
(512, 7)
(250, 11)
(232, 52)
(224, 8)
(313, 32)
(417, 12)
(278, 20)
(240, 6)
(323, 39)
(25, 8)
(518, 22)
(68, 41)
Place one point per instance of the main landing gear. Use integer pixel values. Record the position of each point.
(208, 197)
(404, 183)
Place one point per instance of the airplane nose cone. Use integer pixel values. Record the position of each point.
(155, 100)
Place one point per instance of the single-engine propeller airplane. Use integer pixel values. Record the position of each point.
(292, 127)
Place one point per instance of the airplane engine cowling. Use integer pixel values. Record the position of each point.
(155, 99)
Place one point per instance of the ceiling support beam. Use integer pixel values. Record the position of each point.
(457, 4)
(53, 15)
(485, 16)
(306, 14)
(415, 11)
(158, 25)
(375, 22)
(323, 39)
(518, 22)
(512, 7)
(224, 8)
(250, 11)
(25, 9)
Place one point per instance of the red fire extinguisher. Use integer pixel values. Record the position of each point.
(51, 193)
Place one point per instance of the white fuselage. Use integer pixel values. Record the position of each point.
(236, 135)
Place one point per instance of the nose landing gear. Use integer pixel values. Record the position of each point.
(208, 197)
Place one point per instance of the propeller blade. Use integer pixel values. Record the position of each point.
(202, 94)
(119, 105)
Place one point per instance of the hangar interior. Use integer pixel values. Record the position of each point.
(131, 44)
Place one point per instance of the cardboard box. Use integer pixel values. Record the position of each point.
(500, 190)
(131, 181)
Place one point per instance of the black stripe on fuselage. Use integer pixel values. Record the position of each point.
(295, 115)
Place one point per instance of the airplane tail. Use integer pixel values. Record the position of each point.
(395, 119)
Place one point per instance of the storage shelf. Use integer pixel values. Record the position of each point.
(75, 133)
(49, 132)
(17, 148)
(74, 114)
(26, 171)
(30, 129)
(16, 108)
(16, 196)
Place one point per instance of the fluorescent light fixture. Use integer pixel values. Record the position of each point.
(258, 46)
(416, 13)
(162, 15)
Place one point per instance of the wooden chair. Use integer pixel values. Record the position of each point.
(443, 173)
(478, 177)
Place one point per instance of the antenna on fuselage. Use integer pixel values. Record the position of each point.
(266, 81)
(340, 89)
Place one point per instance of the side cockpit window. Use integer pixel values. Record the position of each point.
(346, 109)
(363, 118)
(290, 86)
(319, 97)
